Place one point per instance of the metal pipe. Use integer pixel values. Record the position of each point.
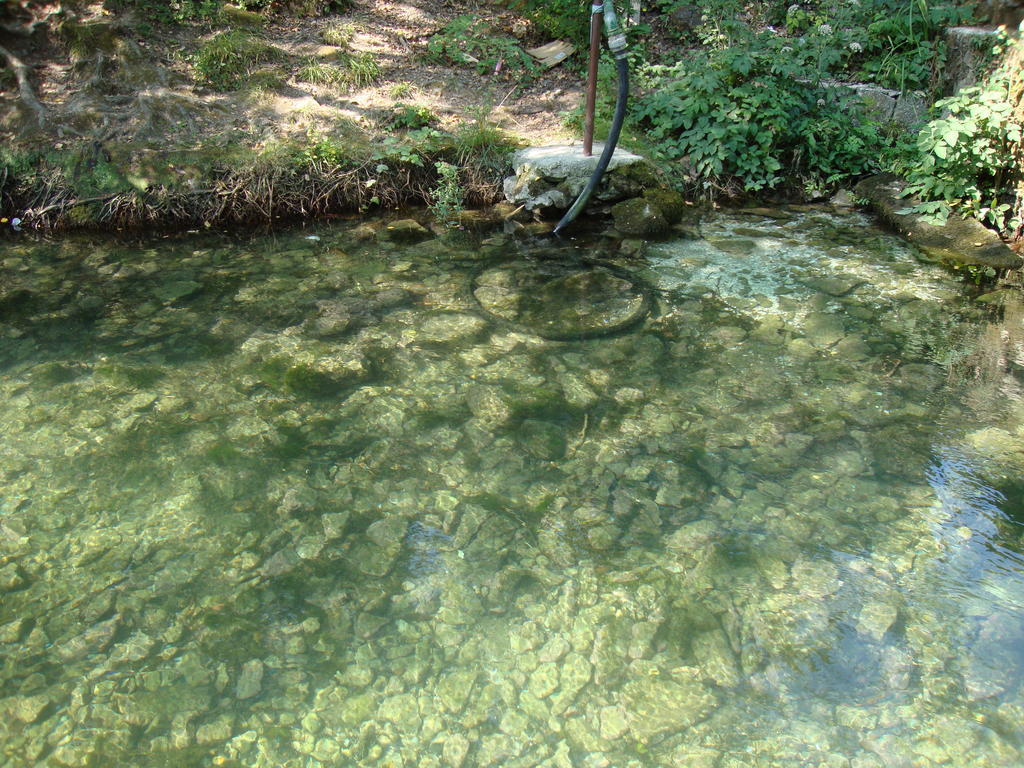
(617, 44)
(596, 17)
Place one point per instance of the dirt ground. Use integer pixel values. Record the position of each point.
(142, 88)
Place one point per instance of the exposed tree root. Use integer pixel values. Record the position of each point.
(28, 96)
(258, 194)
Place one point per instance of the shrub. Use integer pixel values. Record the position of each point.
(169, 11)
(448, 197)
(352, 71)
(752, 116)
(560, 19)
(400, 90)
(229, 58)
(902, 45)
(969, 159)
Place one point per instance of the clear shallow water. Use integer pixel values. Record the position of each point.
(287, 502)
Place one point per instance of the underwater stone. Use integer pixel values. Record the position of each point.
(639, 218)
(544, 680)
(401, 709)
(489, 406)
(448, 327)
(736, 246)
(388, 532)
(834, 286)
(455, 749)
(815, 578)
(218, 730)
(327, 751)
(404, 231)
(334, 524)
(26, 709)
(333, 319)
(715, 657)
(514, 723)
(693, 537)
(613, 722)
(11, 578)
(542, 439)
(280, 562)
(577, 393)
(250, 679)
(655, 707)
(12, 630)
(875, 619)
(308, 547)
(453, 689)
(96, 638)
(1003, 449)
(823, 329)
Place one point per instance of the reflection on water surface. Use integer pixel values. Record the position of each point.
(286, 502)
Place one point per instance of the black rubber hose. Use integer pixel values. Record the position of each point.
(609, 147)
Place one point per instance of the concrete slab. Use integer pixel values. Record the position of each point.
(565, 161)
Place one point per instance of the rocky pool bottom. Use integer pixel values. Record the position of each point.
(752, 498)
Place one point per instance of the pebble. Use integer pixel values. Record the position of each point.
(250, 679)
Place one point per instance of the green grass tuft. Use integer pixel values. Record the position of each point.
(225, 62)
(354, 71)
(339, 34)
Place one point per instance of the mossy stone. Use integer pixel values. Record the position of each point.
(639, 218)
(632, 179)
(668, 201)
(234, 16)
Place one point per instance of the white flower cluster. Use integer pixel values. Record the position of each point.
(855, 47)
(825, 29)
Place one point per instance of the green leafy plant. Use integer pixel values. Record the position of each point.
(748, 117)
(225, 61)
(411, 116)
(471, 40)
(968, 158)
(561, 19)
(448, 197)
(169, 11)
(902, 42)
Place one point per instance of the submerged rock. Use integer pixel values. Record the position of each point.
(404, 231)
(250, 679)
(656, 707)
(542, 439)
